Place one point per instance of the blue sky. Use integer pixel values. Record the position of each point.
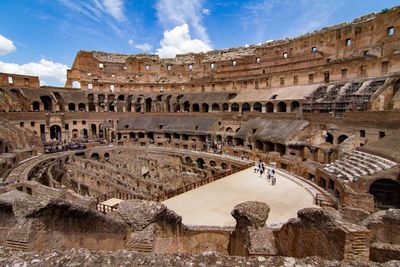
(42, 37)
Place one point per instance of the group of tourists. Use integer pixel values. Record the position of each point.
(260, 168)
(58, 147)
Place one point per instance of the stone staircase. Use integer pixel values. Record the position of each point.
(143, 247)
(17, 244)
(356, 164)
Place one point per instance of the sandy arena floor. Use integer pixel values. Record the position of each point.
(212, 204)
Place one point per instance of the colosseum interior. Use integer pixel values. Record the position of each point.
(135, 152)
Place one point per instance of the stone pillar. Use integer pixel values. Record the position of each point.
(314, 153)
(327, 155)
(264, 108)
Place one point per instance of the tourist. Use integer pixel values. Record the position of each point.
(256, 168)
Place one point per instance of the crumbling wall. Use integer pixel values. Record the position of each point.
(321, 232)
(385, 229)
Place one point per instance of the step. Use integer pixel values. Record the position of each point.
(365, 170)
(373, 168)
(355, 167)
(344, 169)
(19, 245)
(385, 162)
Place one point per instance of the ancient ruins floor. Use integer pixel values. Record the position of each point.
(212, 204)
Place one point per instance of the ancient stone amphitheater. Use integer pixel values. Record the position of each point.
(97, 164)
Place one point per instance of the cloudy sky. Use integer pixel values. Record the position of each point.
(42, 37)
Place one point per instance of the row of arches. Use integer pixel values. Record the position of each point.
(149, 105)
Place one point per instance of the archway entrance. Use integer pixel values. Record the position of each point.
(55, 132)
(386, 193)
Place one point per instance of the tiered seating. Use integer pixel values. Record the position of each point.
(356, 164)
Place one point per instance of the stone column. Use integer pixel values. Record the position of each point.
(327, 155)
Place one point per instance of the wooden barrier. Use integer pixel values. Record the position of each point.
(124, 196)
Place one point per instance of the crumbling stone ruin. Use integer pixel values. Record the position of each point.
(85, 167)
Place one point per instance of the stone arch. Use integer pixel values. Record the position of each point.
(93, 129)
(257, 107)
(186, 106)
(329, 138)
(200, 163)
(47, 103)
(85, 133)
(106, 156)
(229, 130)
(235, 107)
(188, 160)
(35, 106)
(294, 106)
(259, 145)
(148, 104)
(225, 107)
(341, 138)
(95, 156)
(231, 96)
(281, 148)
(386, 193)
(281, 106)
(246, 107)
(215, 107)
(71, 107)
(205, 107)
(121, 97)
(212, 163)
(82, 107)
(75, 134)
(224, 166)
(195, 107)
(55, 132)
(269, 107)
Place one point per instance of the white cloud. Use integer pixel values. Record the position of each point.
(6, 46)
(145, 47)
(115, 8)
(172, 13)
(205, 11)
(179, 41)
(48, 71)
(96, 9)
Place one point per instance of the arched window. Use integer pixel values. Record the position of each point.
(257, 107)
(281, 107)
(246, 107)
(235, 107)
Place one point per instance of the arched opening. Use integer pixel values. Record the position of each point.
(76, 85)
(75, 134)
(269, 107)
(281, 106)
(204, 107)
(55, 132)
(386, 193)
(93, 129)
(245, 107)
(235, 107)
(224, 166)
(269, 146)
(229, 130)
(294, 106)
(71, 107)
(82, 107)
(92, 107)
(215, 107)
(213, 163)
(239, 142)
(106, 156)
(35, 106)
(111, 106)
(148, 104)
(329, 138)
(342, 138)
(281, 149)
(100, 102)
(177, 108)
(47, 103)
(132, 135)
(231, 96)
(225, 107)
(257, 107)
(259, 145)
(121, 98)
(138, 104)
(188, 160)
(186, 106)
(85, 133)
(129, 104)
(95, 156)
(195, 108)
(200, 163)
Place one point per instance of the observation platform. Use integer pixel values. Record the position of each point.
(212, 204)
